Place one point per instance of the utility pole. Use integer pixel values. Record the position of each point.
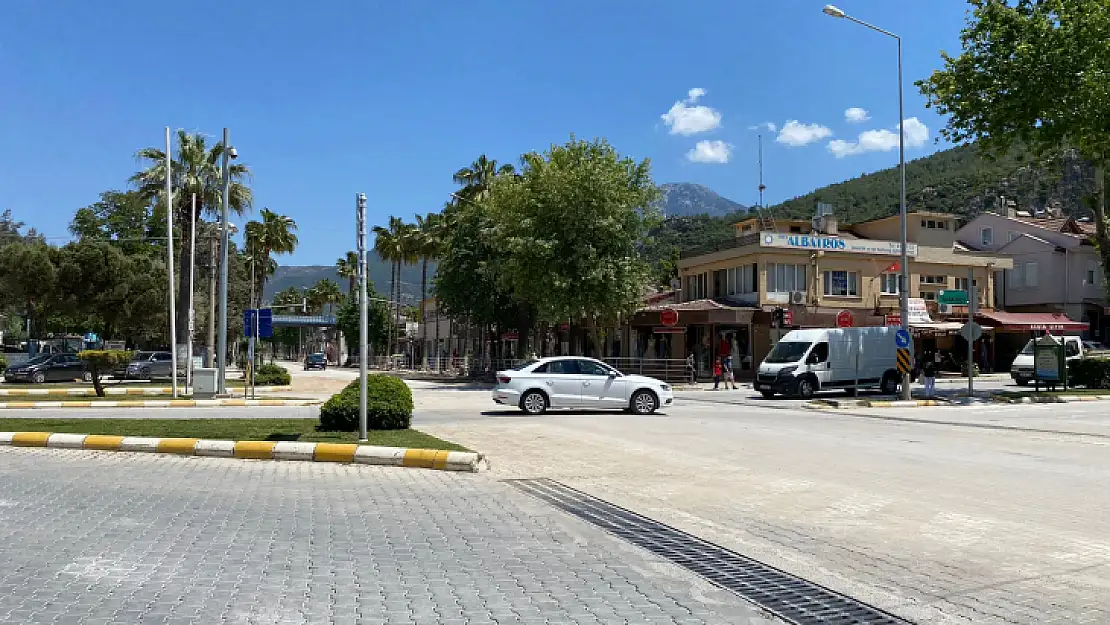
(210, 344)
(169, 247)
(192, 289)
(363, 331)
(221, 353)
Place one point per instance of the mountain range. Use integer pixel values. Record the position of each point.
(686, 199)
(305, 276)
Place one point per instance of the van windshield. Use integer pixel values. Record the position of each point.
(788, 351)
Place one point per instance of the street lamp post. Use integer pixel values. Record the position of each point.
(904, 286)
(221, 352)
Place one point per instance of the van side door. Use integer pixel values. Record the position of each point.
(817, 361)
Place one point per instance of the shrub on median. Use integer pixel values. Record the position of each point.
(272, 375)
(388, 406)
(3, 363)
(1089, 372)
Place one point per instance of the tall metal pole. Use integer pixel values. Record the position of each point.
(972, 305)
(363, 331)
(169, 248)
(904, 292)
(253, 332)
(192, 289)
(221, 351)
(761, 185)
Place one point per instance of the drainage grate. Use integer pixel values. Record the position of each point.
(788, 597)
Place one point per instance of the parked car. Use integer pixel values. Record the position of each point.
(150, 365)
(807, 361)
(49, 368)
(1021, 370)
(316, 361)
(574, 382)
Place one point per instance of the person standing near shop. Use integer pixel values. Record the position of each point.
(929, 373)
(717, 374)
(730, 375)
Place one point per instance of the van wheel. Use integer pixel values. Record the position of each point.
(806, 388)
(767, 394)
(889, 385)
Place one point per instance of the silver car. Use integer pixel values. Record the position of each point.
(149, 365)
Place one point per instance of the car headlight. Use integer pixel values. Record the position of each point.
(665, 387)
(787, 370)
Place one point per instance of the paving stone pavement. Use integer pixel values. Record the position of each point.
(97, 538)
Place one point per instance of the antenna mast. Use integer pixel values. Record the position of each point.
(766, 220)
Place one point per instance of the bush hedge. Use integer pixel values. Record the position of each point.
(1089, 372)
(272, 375)
(388, 406)
(3, 363)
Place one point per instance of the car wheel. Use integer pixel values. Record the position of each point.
(805, 388)
(1022, 382)
(86, 376)
(534, 403)
(39, 377)
(144, 373)
(889, 385)
(767, 394)
(643, 402)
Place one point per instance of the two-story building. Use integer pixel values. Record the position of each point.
(816, 270)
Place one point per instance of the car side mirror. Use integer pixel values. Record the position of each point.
(612, 374)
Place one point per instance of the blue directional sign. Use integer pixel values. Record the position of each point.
(265, 317)
(902, 338)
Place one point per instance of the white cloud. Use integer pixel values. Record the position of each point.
(710, 152)
(768, 126)
(797, 134)
(856, 115)
(882, 140)
(686, 118)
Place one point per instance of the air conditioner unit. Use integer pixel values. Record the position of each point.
(944, 308)
(797, 297)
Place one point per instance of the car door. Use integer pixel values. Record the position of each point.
(161, 365)
(54, 369)
(599, 389)
(562, 381)
(62, 368)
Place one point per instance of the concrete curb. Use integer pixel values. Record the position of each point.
(1050, 399)
(347, 453)
(157, 403)
(90, 392)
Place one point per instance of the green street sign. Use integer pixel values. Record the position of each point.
(952, 298)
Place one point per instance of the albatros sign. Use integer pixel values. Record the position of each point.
(835, 244)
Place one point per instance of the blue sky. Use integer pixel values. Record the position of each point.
(328, 99)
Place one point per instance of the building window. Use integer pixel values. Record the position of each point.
(934, 224)
(1031, 274)
(929, 296)
(796, 229)
(986, 236)
(1013, 277)
(889, 283)
(782, 278)
(842, 283)
(730, 281)
(961, 284)
(1092, 275)
(1014, 235)
(745, 282)
(938, 280)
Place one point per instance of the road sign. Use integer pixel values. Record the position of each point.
(971, 331)
(952, 297)
(787, 317)
(844, 319)
(894, 320)
(905, 361)
(668, 317)
(265, 322)
(901, 339)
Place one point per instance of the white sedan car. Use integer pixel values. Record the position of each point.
(576, 382)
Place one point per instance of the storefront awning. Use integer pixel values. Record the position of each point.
(936, 328)
(1032, 322)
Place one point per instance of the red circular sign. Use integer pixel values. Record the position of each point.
(844, 319)
(668, 317)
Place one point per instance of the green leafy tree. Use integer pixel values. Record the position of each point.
(1033, 72)
(323, 294)
(126, 218)
(397, 244)
(378, 322)
(100, 362)
(347, 268)
(570, 227)
(28, 280)
(275, 234)
(427, 241)
(195, 169)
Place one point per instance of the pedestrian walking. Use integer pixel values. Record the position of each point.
(691, 368)
(717, 374)
(730, 376)
(929, 373)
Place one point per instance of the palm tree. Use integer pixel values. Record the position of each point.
(347, 267)
(324, 293)
(427, 242)
(388, 245)
(477, 179)
(273, 235)
(409, 255)
(195, 169)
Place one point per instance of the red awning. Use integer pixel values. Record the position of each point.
(1032, 322)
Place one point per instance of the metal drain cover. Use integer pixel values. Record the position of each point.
(789, 597)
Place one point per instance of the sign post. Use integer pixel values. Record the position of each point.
(844, 319)
(973, 332)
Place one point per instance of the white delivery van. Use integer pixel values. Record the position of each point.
(1021, 370)
(807, 361)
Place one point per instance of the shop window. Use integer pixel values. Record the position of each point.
(782, 278)
(842, 283)
(889, 283)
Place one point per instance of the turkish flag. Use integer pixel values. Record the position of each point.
(897, 266)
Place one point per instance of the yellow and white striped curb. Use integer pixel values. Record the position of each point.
(89, 392)
(348, 453)
(1049, 399)
(905, 403)
(157, 403)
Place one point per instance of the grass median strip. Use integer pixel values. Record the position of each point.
(300, 430)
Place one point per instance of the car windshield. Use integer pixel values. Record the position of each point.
(316, 357)
(137, 356)
(788, 351)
